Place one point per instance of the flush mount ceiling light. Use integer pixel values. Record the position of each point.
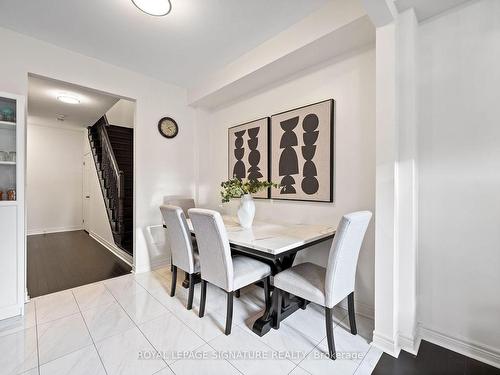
(68, 99)
(154, 7)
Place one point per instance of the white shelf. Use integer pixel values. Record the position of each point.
(8, 203)
(7, 163)
(7, 125)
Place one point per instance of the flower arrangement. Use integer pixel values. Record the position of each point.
(236, 188)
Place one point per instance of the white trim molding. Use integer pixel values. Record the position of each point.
(32, 232)
(409, 344)
(113, 248)
(386, 344)
(361, 308)
(480, 352)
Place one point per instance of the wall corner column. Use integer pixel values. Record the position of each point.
(396, 186)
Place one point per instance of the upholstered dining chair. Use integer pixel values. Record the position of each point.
(183, 202)
(181, 245)
(218, 267)
(328, 286)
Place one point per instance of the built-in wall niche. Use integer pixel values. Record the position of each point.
(8, 154)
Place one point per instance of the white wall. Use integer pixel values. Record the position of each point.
(155, 173)
(350, 81)
(122, 113)
(54, 179)
(459, 202)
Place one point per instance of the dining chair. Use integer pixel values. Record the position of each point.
(183, 202)
(328, 286)
(181, 245)
(218, 267)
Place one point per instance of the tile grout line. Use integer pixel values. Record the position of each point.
(179, 319)
(81, 314)
(88, 330)
(37, 347)
(258, 339)
(239, 325)
(364, 357)
(164, 278)
(66, 316)
(316, 346)
(337, 325)
(233, 366)
(137, 326)
(205, 341)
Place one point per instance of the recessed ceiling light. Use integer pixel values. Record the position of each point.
(68, 99)
(154, 7)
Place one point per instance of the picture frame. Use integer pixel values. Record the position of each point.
(248, 152)
(302, 157)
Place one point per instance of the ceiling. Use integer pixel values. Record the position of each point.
(197, 38)
(427, 8)
(44, 108)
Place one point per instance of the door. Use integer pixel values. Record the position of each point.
(87, 159)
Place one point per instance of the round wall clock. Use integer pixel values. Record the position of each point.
(168, 127)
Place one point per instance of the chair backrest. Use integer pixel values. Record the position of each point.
(216, 264)
(343, 258)
(183, 202)
(179, 237)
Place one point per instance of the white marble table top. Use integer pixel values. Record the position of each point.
(273, 238)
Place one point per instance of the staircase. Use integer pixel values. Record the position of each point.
(112, 148)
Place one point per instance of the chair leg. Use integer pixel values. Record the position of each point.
(277, 307)
(267, 283)
(203, 299)
(329, 333)
(191, 292)
(229, 313)
(174, 281)
(352, 313)
(237, 293)
(303, 304)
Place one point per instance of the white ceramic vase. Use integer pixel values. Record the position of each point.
(246, 211)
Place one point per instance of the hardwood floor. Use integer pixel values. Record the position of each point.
(59, 261)
(432, 359)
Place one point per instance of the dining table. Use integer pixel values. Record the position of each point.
(277, 245)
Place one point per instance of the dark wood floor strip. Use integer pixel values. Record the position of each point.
(432, 360)
(59, 261)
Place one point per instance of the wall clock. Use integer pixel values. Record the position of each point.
(168, 127)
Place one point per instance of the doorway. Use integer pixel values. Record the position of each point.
(80, 201)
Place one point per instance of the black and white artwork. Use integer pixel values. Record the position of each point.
(248, 152)
(302, 153)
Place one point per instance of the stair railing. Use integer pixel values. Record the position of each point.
(113, 175)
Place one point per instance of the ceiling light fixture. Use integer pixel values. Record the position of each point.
(68, 99)
(154, 7)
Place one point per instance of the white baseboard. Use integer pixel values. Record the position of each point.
(386, 344)
(113, 248)
(160, 263)
(470, 349)
(361, 308)
(11, 311)
(409, 344)
(54, 230)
